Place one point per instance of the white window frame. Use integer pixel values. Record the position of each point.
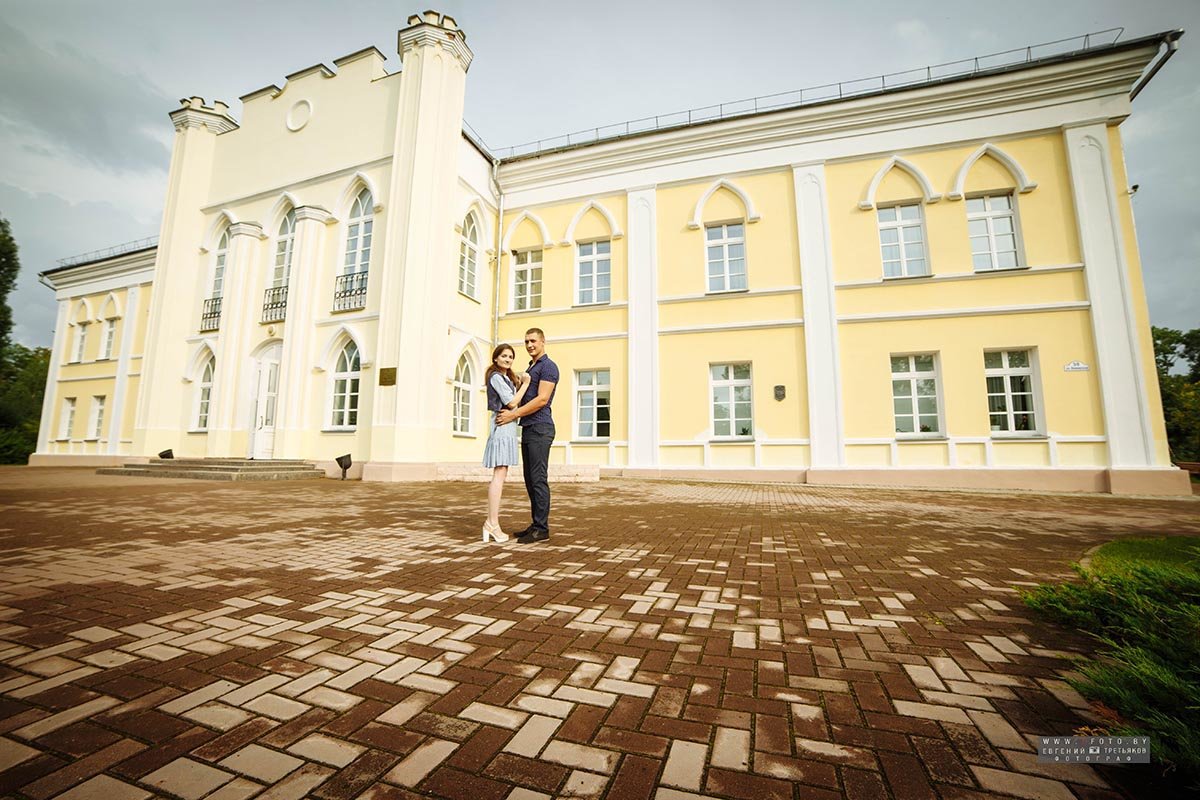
(341, 385)
(220, 257)
(66, 419)
(204, 395)
(988, 217)
(110, 335)
(96, 418)
(732, 384)
(912, 375)
(81, 331)
(593, 391)
(462, 398)
(594, 259)
(285, 241)
(724, 242)
(468, 258)
(530, 283)
(1035, 391)
(899, 225)
(360, 227)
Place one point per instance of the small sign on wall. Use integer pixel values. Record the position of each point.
(1076, 366)
(387, 376)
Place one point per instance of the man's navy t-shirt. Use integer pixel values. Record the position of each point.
(543, 370)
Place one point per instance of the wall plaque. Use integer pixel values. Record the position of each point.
(1075, 366)
(387, 376)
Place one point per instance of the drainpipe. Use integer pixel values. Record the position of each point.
(1171, 40)
(499, 241)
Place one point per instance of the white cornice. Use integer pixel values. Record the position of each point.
(130, 269)
(435, 33)
(191, 117)
(1032, 308)
(1065, 92)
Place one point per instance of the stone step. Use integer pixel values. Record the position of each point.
(227, 467)
(235, 461)
(214, 475)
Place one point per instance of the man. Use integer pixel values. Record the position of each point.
(537, 433)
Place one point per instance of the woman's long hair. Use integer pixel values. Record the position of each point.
(508, 373)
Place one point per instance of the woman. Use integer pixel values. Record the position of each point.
(505, 389)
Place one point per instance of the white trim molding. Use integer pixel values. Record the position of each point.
(927, 193)
(697, 220)
(1032, 308)
(224, 219)
(483, 217)
(358, 181)
(1023, 183)
(614, 229)
(547, 241)
(642, 425)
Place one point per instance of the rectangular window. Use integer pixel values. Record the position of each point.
(80, 341)
(345, 402)
(732, 416)
(726, 249)
(594, 268)
(902, 241)
(992, 225)
(110, 333)
(67, 420)
(527, 280)
(96, 423)
(915, 395)
(592, 403)
(1011, 402)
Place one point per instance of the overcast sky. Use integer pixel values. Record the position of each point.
(86, 87)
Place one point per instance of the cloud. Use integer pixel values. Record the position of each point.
(80, 106)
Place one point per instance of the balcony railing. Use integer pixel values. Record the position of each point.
(210, 315)
(274, 304)
(350, 292)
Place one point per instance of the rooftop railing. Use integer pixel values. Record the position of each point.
(813, 94)
(109, 252)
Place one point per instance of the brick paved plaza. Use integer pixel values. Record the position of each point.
(672, 640)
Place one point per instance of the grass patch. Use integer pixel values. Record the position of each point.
(1141, 599)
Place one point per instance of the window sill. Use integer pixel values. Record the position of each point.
(588, 441)
(93, 439)
(522, 311)
(918, 437)
(200, 431)
(1023, 268)
(1019, 437)
(732, 440)
(472, 298)
(601, 304)
(721, 292)
(887, 278)
(106, 358)
(339, 430)
(460, 435)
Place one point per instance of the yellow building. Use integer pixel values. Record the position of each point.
(936, 284)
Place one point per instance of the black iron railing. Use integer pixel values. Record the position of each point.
(274, 304)
(350, 292)
(210, 315)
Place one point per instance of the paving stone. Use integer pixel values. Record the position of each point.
(580, 756)
(187, 778)
(413, 769)
(268, 766)
(326, 749)
(532, 736)
(103, 787)
(685, 765)
(1013, 783)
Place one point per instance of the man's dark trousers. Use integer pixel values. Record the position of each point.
(535, 458)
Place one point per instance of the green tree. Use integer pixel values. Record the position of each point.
(21, 391)
(10, 265)
(1180, 393)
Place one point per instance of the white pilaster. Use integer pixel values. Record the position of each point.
(643, 378)
(45, 432)
(117, 414)
(295, 367)
(237, 310)
(1114, 326)
(825, 426)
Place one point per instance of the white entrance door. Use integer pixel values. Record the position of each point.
(265, 404)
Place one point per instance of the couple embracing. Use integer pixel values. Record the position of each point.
(525, 397)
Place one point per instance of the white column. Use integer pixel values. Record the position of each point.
(825, 425)
(643, 378)
(237, 316)
(296, 361)
(45, 432)
(1114, 326)
(117, 414)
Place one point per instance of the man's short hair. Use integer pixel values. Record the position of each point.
(541, 334)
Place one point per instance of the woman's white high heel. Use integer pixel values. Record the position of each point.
(495, 533)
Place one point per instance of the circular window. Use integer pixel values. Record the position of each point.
(299, 115)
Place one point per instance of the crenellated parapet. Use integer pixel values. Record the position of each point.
(194, 114)
(432, 29)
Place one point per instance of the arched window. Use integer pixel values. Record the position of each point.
(283, 250)
(81, 331)
(462, 396)
(218, 283)
(204, 396)
(468, 256)
(358, 234)
(345, 388)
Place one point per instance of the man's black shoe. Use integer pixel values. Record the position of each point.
(522, 532)
(534, 536)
